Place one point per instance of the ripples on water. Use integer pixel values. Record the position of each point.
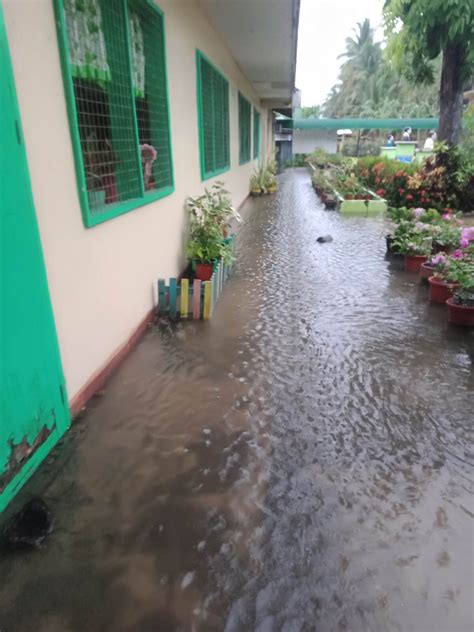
(301, 462)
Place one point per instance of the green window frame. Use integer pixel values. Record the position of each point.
(213, 118)
(245, 116)
(113, 56)
(256, 134)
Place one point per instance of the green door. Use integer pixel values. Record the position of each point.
(33, 403)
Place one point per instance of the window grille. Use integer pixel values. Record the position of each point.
(244, 129)
(213, 118)
(113, 54)
(256, 134)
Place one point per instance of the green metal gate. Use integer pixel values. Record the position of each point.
(33, 402)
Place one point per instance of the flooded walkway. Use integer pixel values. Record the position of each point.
(300, 463)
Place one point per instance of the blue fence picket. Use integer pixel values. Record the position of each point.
(161, 296)
(173, 297)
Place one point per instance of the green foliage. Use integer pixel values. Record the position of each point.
(311, 111)
(320, 183)
(388, 178)
(324, 160)
(263, 181)
(467, 134)
(213, 207)
(461, 271)
(298, 160)
(427, 27)
(207, 247)
(369, 85)
(210, 215)
(408, 240)
(365, 147)
(445, 181)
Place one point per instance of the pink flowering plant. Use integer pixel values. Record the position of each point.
(466, 236)
(449, 235)
(440, 264)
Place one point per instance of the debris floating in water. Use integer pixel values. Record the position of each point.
(324, 239)
(187, 580)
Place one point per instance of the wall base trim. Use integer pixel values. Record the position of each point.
(97, 381)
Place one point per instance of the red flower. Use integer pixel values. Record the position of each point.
(409, 196)
(401, 191)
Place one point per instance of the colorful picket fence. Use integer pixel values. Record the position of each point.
(196, 299)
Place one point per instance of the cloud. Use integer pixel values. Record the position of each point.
(324, 26)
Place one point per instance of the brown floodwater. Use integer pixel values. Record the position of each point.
(300, 463)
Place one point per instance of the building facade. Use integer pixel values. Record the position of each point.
(118, 111)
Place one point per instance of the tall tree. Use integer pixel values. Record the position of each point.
(419, 31)
(310, 111)
(370, 84)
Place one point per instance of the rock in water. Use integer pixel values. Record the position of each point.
(324, 239)
(30, 527)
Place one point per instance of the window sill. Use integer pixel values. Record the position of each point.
(120, 208)
(213, 174)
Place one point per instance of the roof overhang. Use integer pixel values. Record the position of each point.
(262, 37)
(353, 123)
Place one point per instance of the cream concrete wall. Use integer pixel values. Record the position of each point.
(102, 279)
(305, 141)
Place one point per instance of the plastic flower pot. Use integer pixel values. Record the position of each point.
(440, 290)
(204, 270)
(426, 271)
(413, 263)
(389, 242)
(460, 314)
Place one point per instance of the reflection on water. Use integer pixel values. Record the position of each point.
(299, 463)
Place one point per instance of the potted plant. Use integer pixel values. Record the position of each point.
(211, 214)
(205, 249)
(427, 269)
(415, 245)
(263, 181)
(255, 185)
(446, 237)
(443, 283)
(461, 304)
(213, 208)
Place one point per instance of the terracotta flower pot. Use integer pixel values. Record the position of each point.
(204, 271)
(426, 271)
(440, 290)
(413, 262)
(460, 314)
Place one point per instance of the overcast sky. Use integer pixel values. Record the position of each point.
(324, 26)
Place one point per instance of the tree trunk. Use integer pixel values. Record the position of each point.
(450, 94)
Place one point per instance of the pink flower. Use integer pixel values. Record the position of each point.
(439, 260)
(464, 242)
(468, 233)
(457, 254)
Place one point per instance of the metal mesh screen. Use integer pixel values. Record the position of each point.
(256, 134)
(214, 118)
(116, 60)
(151, 102)
(244, 129)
